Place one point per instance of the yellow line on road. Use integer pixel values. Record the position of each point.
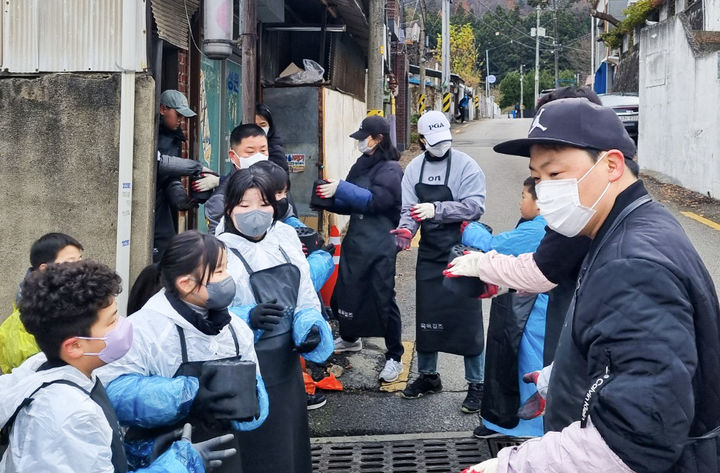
(400, 384)
(702, 220)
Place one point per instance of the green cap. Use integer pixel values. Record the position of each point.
(175, 99)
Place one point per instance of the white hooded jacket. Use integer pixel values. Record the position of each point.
(266, 254)
(62, 430)
(156, 343)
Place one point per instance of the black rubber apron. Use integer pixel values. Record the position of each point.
(282, 443)
(365, 288)
(99, 396)
(200, 430)
(509, 314)
(444, 321)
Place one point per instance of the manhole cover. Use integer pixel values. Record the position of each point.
(399, 456)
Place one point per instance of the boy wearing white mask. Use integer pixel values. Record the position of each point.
(441, 188)
(634, 383)
(248, 145)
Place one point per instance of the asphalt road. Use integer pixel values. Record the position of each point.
(363, 409)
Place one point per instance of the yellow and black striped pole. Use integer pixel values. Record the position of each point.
(476, 99)
(447, 99)
(379, 113)
(421, 104)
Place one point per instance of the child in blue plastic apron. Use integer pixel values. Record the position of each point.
(516, 333)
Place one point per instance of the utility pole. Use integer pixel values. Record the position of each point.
(521, 91)
(376, 57)
(537, 55)
(555, 42)
(445, 50)
(487, 84)
(249, 50)
(592, 48)
(422, 47)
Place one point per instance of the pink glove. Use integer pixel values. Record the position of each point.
(403, 238)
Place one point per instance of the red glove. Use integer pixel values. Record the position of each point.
(304, 249)
(463, 226)
(403, 238)
(535, 405)
(491, 290)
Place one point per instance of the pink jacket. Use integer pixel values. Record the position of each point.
(573, 450)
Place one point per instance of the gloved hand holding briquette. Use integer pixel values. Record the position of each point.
(466, 265)
(422, 211)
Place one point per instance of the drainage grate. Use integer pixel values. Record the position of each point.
(404, 456)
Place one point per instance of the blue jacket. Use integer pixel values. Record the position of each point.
(525, 238)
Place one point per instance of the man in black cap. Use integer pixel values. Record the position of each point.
(634, 384)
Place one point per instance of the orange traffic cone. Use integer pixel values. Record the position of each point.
(327, 290)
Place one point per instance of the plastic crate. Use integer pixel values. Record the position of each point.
(495, 444)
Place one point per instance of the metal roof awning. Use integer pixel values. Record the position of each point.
(354, 17)
(172, 17)
(435, 73)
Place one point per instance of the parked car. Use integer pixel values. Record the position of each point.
(542, 94)
(627, 107)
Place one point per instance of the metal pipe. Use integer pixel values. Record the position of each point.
(310, 29)
(125, 161)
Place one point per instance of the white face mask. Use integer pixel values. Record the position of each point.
(559, 203)
(363, 146)
(439, 149)
(250, 160)
(266, 129)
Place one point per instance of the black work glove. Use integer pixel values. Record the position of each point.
(266, 316)
(330, 248)
(207, 403)
(163, 442)
(311, 341)
(210, 450)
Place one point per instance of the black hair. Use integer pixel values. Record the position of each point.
(63, 301)
(530, 184)
(570, 93)
(387, 149)
(146, 285)
(189, 252)
(279, 178)
(264, 111)
(239, 183)
(47, 247)
(243, 131)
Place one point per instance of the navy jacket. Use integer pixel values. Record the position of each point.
(647, 324)
(383, 196)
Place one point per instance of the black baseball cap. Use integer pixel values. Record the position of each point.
(372, 126)
(573, 122)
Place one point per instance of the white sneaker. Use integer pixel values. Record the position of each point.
(391, 371)
(342, 346)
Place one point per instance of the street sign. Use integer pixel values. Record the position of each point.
(491, 79)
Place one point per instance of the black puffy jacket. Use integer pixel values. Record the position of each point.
(642, 353)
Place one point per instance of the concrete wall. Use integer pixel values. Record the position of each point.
(59, 139)
(342, 115)
(679, 100)
(711, 15)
